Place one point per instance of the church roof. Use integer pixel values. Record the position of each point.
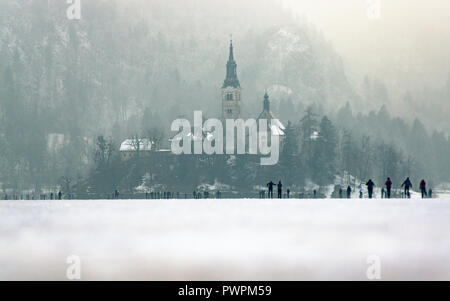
(266, 115)
(132, 145)
(277, 128)
(205, 135)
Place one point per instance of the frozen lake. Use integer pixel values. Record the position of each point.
(225, 239)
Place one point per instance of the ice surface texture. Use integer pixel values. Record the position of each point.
(225, 239)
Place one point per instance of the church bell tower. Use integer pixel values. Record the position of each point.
(231, 90)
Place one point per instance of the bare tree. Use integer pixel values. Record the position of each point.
(104, 151)
(156, 136)
(66, 181)
(136, 143)
(366, 155)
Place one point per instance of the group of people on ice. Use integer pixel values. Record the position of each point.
(422, 186)
(386, 190)
(279, 186)
(270, 186)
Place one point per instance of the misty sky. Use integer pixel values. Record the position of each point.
(407, 47)
(410, 41)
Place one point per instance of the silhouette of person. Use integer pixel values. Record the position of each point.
(370, 184)
(388, 184)
(423, 188)
(280, 189)
(340, 192)
(270, 192)
(407, 184)
(349, 191)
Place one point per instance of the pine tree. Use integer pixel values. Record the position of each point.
(290, 165)
(388, 162)
(325, 152)
(364, 158)
(349, 153)
(308, 130)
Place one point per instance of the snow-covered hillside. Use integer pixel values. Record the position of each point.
(225, 239)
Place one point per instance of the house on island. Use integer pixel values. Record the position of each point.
(132, 147)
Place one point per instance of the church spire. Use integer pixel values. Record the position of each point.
(231, 79)
(266, 102)
(231, 57)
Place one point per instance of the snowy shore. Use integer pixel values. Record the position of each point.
(225, 239)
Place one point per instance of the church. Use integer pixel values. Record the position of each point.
(231, 109)
(232, 101)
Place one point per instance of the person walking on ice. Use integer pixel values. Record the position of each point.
(407, 184)
(388, 184)
(370, 184)
(349, 192)
(270, 192)
(423, 188)
(280, 190)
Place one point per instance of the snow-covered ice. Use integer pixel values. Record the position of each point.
(225, 239)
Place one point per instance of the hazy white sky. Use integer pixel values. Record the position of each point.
(408, 46)
(410, 40)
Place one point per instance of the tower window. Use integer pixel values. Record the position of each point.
(230, 112)
(229, 96)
